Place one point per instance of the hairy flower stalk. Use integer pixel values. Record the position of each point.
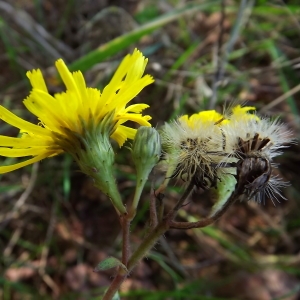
(146, 151)
(80, 121)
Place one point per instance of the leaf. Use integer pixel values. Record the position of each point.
(109, 263)
(224, 190)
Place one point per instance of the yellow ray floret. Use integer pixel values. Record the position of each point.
(75, 111)
(204, 116)
(242, 113)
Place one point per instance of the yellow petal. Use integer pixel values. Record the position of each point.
(137, 67)
(123, 133)
(11, 152)
(128, 93)
(15, 121)
(36, 79)
(5, 169)
(210, 115)
(6, 141)
(118, 76)
(80, 83)
(136, 108)
(138, 118)
(203, 117)
(184, 118)
(239, 110)
(66, 76)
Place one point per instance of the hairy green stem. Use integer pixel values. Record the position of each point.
(165, 224)
(158, 231)
(137, 195)
(148, 243)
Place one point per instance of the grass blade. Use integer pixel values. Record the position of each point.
(101, 53)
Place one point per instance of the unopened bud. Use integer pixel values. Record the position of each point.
(146, 150)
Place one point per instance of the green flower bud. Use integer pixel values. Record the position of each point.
(146, 151)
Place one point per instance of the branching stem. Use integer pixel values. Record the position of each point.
(162, 226)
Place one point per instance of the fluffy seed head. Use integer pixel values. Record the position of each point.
(193, 147)
(202, 148)
(255, 142)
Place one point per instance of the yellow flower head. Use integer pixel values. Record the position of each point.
(76, 112)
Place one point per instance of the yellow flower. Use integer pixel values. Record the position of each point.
(66, 116)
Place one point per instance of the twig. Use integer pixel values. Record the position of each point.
(172, 257)
(271, 223)
(52, 46)
(156, 211)
(281, 98)
(13, 240)
(242, 17)
(219, 71)
(209, 220)
(153, 211)
(24, 196)
(180, 202)
(49, 234)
